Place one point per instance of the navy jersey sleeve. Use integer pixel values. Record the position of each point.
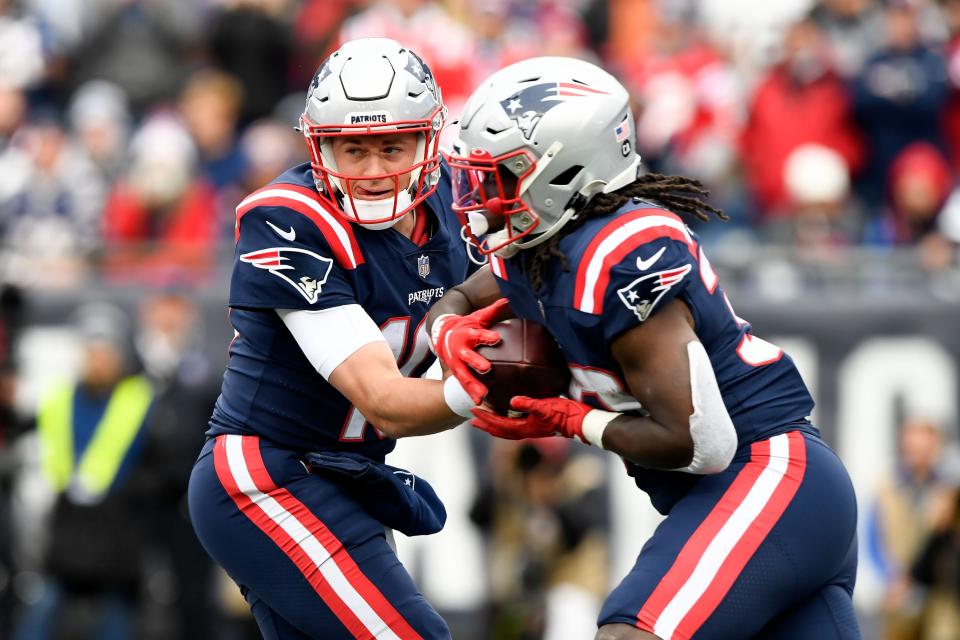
(283, 261)
(643, 282)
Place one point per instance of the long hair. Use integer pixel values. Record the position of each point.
(675, 193)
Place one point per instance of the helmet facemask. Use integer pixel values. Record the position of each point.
(373, 87)
(337, 188)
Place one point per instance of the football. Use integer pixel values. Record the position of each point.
(526, 362)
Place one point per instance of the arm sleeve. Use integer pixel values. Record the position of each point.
(643, 282)
(283, 261)
(330, 336)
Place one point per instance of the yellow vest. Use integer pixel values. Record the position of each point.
(112, 437)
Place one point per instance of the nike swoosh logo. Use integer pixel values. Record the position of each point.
(643, 265)
(289, 236)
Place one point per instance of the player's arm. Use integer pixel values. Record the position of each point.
(476, 292)
(460, 322)
(668, 371)
(347, 348)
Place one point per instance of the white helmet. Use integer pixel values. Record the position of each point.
(373, 86)
(538, 139)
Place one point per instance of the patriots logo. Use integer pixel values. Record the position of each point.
(633, 296)
(321, 73)
(419, 69)
(527, 106)
(304, 270)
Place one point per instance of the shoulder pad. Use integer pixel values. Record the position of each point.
(287, 199)
(617, 238)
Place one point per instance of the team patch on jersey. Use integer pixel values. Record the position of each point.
(634, 297)
(304, 270)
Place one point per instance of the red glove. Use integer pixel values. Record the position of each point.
(455, 339)
(545, 418)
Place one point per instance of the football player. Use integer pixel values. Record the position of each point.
(336, 264)
(710, 420)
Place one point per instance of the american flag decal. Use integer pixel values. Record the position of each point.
(642, 302)
(622, 132)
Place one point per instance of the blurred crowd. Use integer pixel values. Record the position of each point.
(131, 129)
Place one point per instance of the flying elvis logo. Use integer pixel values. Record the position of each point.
(527, 106)
(633, 297)
(304, 270)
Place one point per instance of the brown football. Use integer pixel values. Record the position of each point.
(526, 362)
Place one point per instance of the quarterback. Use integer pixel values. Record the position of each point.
(336, 262)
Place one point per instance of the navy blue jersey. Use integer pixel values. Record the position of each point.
(293, 254)
(623, 268)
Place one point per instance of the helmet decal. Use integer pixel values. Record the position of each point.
(528, 105)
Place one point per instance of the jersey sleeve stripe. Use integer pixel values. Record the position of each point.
(618, 238)
(338, 233)
(309, 544)
(723, 544)
(498, 267)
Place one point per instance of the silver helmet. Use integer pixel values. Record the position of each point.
(373, 86)
(538, 139)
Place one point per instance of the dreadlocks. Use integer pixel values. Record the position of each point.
(676, 193)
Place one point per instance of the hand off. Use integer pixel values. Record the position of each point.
(455, 339)
(545, 418)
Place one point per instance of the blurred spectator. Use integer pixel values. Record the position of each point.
(143, 46)
(270, 147)
(51, 196)
(315, 26)
(824, 216)
(169, 341)
(919, 183)
(251, 40)
(500, 39)
(425, 26)
(21, 50)
(951, 119)
(800, 101)
(13, 109)
(690, 102)
(855, 30)
(90, 434)
(910, 504)
(544, 515)
(160, 220)
(898, 97)
(937, 571)
(100, 120)
(210, 106)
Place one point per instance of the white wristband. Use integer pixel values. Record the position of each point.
(435, 330)
(457, 399)
(594, 423)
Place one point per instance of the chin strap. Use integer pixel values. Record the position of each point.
(377, 209)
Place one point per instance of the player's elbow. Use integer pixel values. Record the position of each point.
(711, 428)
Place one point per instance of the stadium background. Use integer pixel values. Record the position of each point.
(129, 129)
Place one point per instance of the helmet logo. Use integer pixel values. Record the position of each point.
(526, 107)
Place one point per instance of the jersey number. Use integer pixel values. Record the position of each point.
(409, 354)
(755, 351)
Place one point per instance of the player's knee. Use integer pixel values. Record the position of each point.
(622, 632)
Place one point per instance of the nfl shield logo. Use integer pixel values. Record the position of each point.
(423, 266)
